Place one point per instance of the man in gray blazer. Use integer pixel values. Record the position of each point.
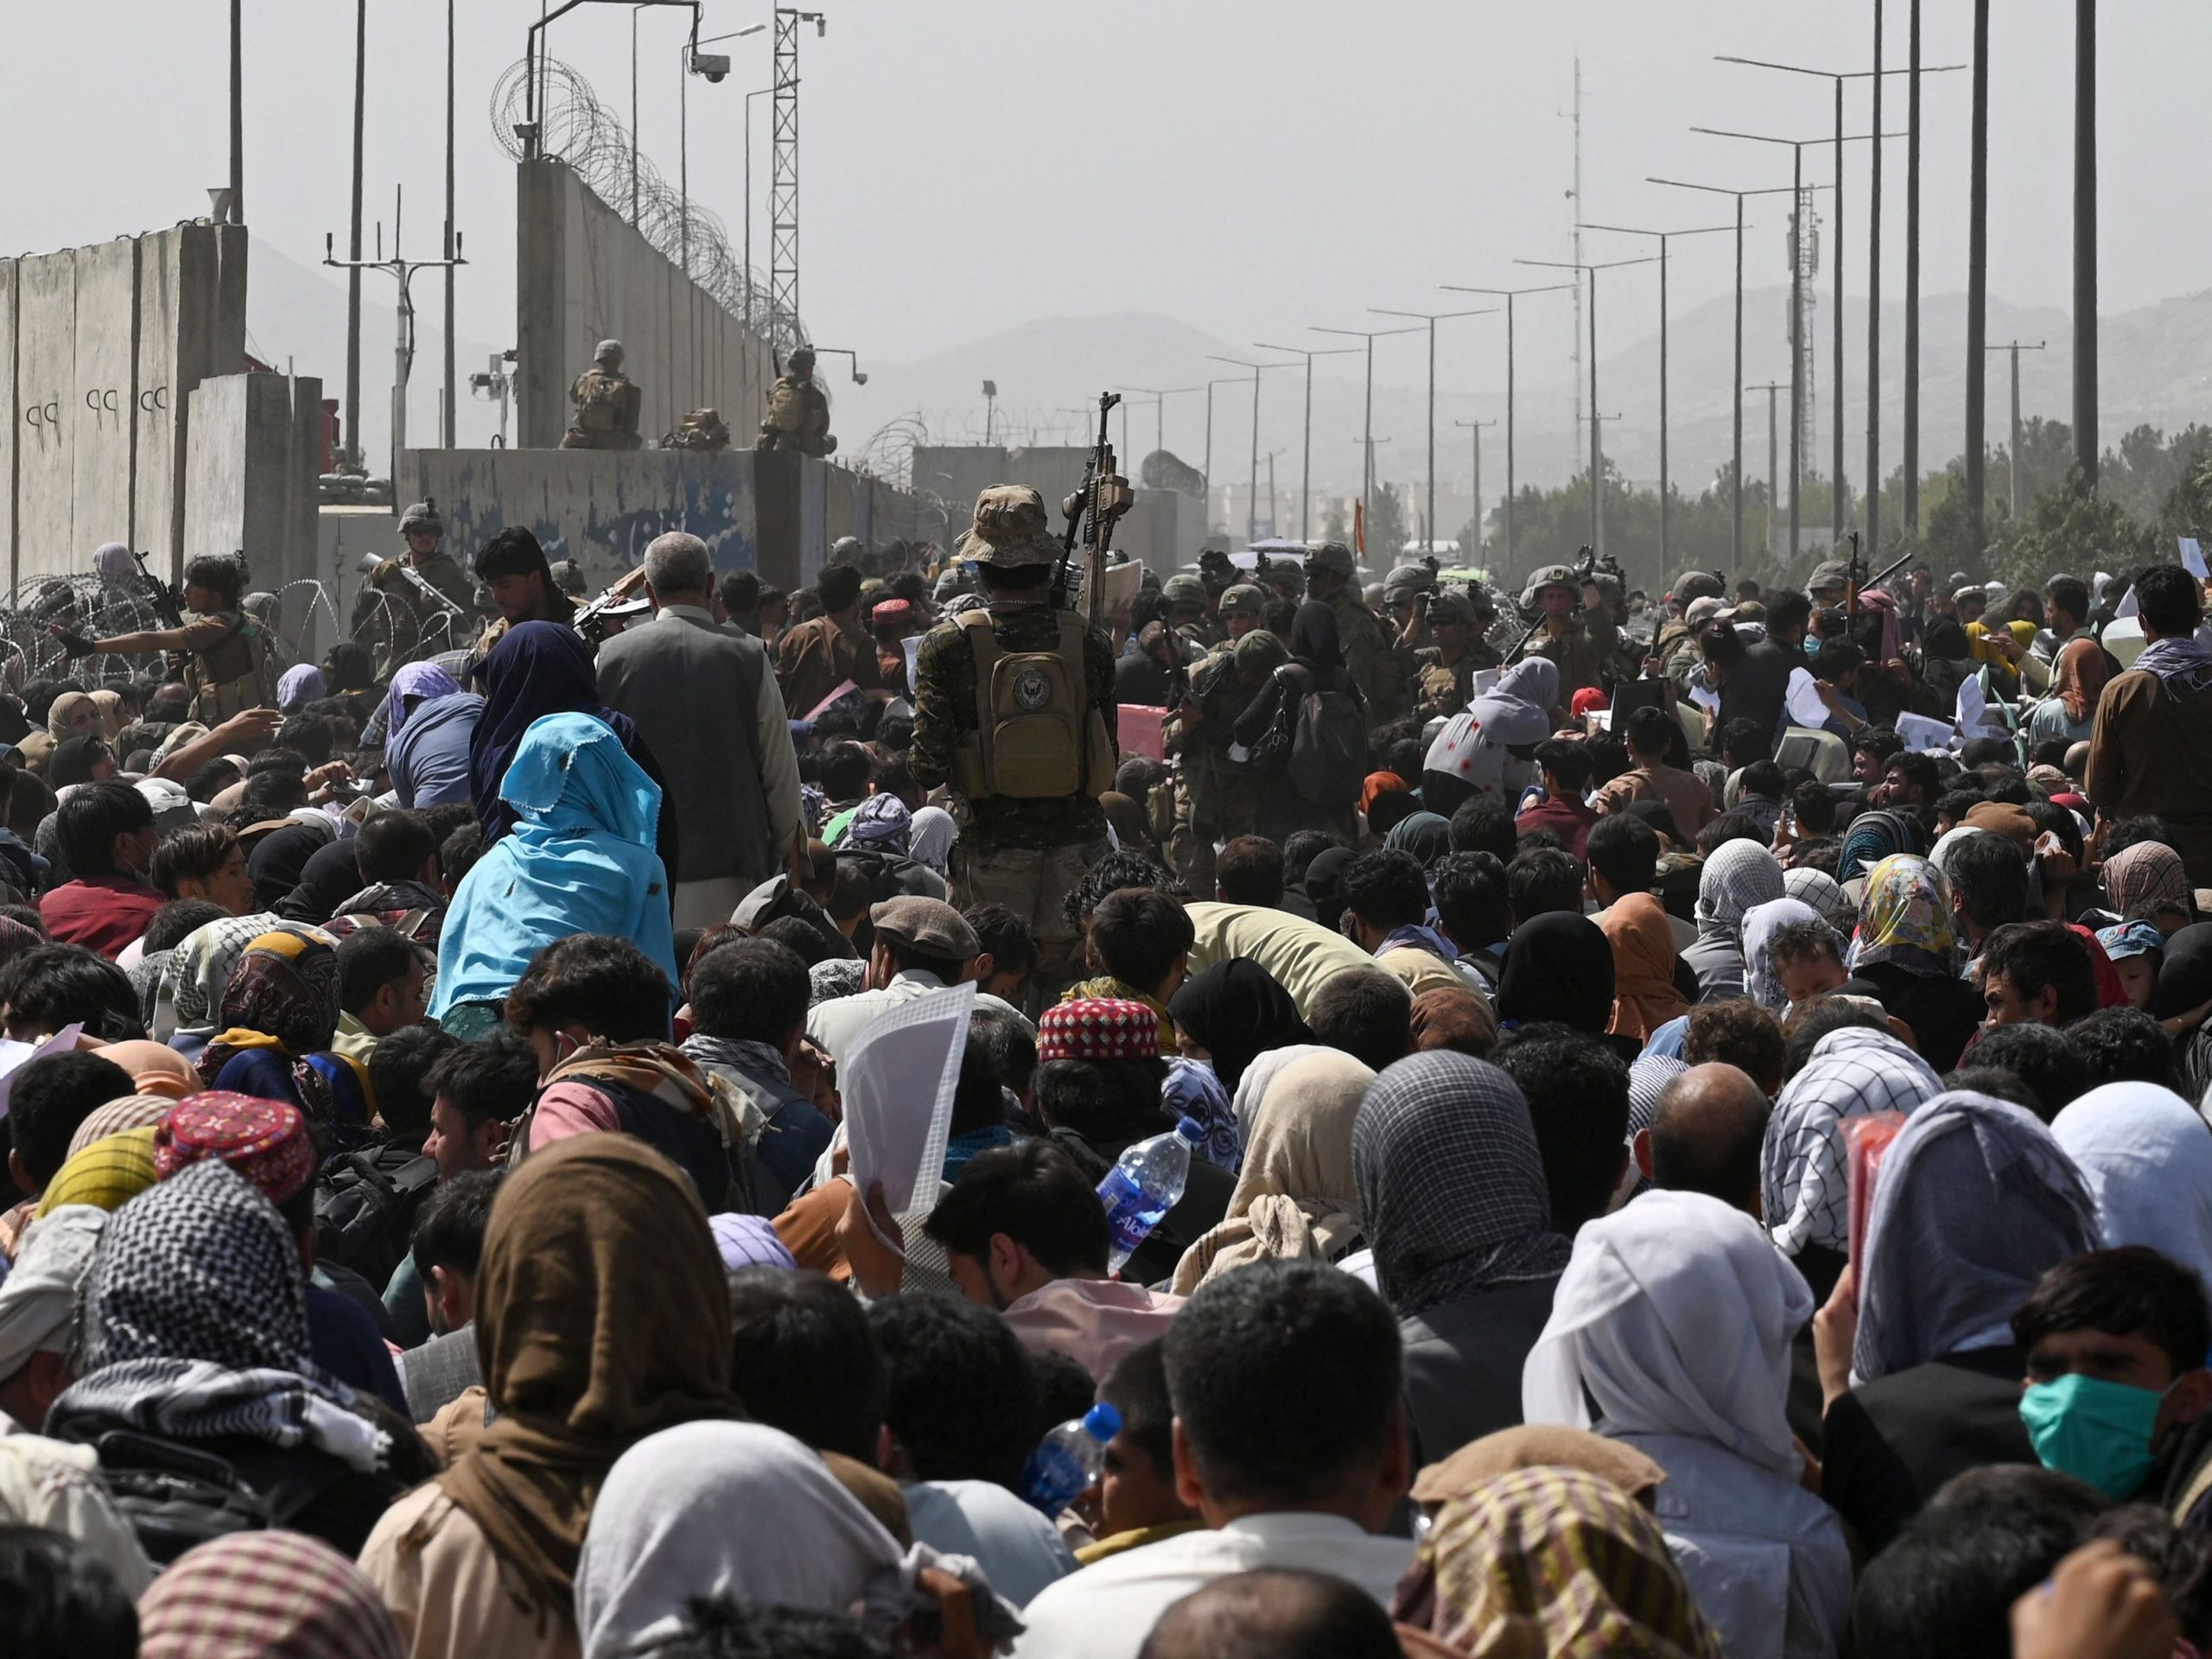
(704, 697)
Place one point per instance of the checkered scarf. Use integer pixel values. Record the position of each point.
(1804, 1177)
(1451, 1183)
(278, 1595)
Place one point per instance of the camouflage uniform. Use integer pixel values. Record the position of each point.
(1024, 854)
(1369, 654)
(702, 430)
(1212, 803)
(1201, 630)
(607, 403)
(797, 416)
(1581, 663)
(1442, 689)
(396, 619)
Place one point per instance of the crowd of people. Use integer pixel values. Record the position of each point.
(1699, 1120)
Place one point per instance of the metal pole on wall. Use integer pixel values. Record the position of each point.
(1912, 274)
(446, 437)
(354, 276)
(1874, 306)
(2084, 242)
(1977, 278)
(237, 113)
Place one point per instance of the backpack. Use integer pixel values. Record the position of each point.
(1037, 736)
(595, 409)
(365, 1207)
(174, 1497)
(1328, 740)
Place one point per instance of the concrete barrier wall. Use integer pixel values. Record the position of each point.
(102, 347)
(250, 473)
(583, 275)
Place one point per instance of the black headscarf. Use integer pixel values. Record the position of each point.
(1235, 1011)
(1946, 640)
(280, 858)
(1558, 966)
(1324, 884)
(2184, 972)
(330, 877)
(536, 669)
(1313, 638)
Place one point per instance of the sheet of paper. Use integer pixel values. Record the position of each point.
(1972, 705)
(1118, 588)
(1923, 733)
(1804, 701)
(912, 642)
(1139, 731)
(2128, 606)
(1485, 679)
(1706, 698)
(898, 1080)
(2192, 557)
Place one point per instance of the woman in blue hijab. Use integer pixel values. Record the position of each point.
(579, 860)
(538, 669)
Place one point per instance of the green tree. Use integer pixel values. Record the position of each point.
(1387, 534)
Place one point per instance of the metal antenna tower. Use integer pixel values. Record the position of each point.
(783, 175)
(1805, 251)
(1574, 114)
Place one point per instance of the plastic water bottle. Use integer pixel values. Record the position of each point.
(1146, 1182)
(1067, 1460)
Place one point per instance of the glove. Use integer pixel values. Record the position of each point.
(74, 645)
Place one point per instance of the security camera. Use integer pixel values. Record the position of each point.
(714, 66)
(860, 378)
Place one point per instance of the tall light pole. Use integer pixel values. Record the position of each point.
(1305, 467)
(1597, 452)
(2085, 241)
(353, 241)
(1509, 295)
(1228, 380)
(1912, 272)
(1769, 388)
(1666, 560)
(1874, 264)
(1977, 279)
(1432, 318)
(2019, 499)
(1252, 499)
(237, 214)
(446, 403)
(1736, 540)
(1474, 430)
(1159, 408)
(1796, 148)
(1367, 424)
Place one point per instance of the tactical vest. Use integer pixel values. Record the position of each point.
(1037, 735)
(231, 674)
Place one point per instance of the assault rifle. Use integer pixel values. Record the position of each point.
(1091, 513)
(168, 603)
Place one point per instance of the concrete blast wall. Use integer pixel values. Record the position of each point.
(583, 275)
(250, 473)
(100, 348)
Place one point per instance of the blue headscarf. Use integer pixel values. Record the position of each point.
(581, 860)
(536, 669)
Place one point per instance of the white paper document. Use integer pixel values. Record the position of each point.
(898, 1080)
(1706, 698)
(1923, 734)
(1802, 699)
(2192, 557)
(1972, 707)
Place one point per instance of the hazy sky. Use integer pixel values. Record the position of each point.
(1250, 168)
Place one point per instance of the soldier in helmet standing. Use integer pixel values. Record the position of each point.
(393, 614)
(1187, 611)
(1444, 674)
(607, 402)
(226, 663)
(1014, 709)
(1210, 805)
(1366, 647)
(1560, 635)
(1241, 608)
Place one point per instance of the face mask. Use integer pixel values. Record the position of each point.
(2093, 1430)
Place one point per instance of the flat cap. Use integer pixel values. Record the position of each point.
(926, 925)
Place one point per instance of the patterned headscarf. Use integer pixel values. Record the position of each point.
(1761, 924)
(200, 1267)
(1976, 1201)
(1874, 836)
(1451, 1183)
(277, 1595)
(882, 821)
(1905, 917)
(1551, 1561)
(299, 686)
(1804, 1180)
(1810, 887)
(106, 1174)
(1097, 1028)
(2146, 874)
(285, 987)
(1738, 875)
(200, 968)
(264, 1141)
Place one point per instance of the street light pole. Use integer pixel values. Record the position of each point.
(1252, 499)
(1367, 425)
(1228, 380)
(2018, 493)
(1305, 467)
(1509, 295)
(1432, 318)
(1475, 430)
(1597, 454)
(1769, 388)
(1665, 486)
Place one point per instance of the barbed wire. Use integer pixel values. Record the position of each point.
(576, 128)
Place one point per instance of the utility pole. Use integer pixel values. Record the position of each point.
(1231, 380)
(446, 406)
(2019, 491)
(1874, 306)
(1772, 451)
(1367, 424)
(1474, 430)
(2085, 243)
(1510, 295)
(1912, 272)
(1597, 469)
(1305, 467)
(1665, 490)
(1432, 318)
(1574, 352)
(1597, 454)
(1978, 280)
(353, 243)
(783, 180)
(403, 348)
(237, 113)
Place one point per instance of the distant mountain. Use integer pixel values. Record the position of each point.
(2157, 367)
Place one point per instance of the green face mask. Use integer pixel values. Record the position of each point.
(2093, 1430)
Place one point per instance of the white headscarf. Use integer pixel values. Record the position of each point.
(1811, 886)
(1738, 876)
(930, 837)
(2147, 1157)
(1804, 1179)
(714, 1509)
(1761, 924)
(1948, 843)
(1676, 1316)
(1516, 710)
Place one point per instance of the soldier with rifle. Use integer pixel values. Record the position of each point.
(224, 659)
(1014, 709)
(418, 602)
(1555, 593)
